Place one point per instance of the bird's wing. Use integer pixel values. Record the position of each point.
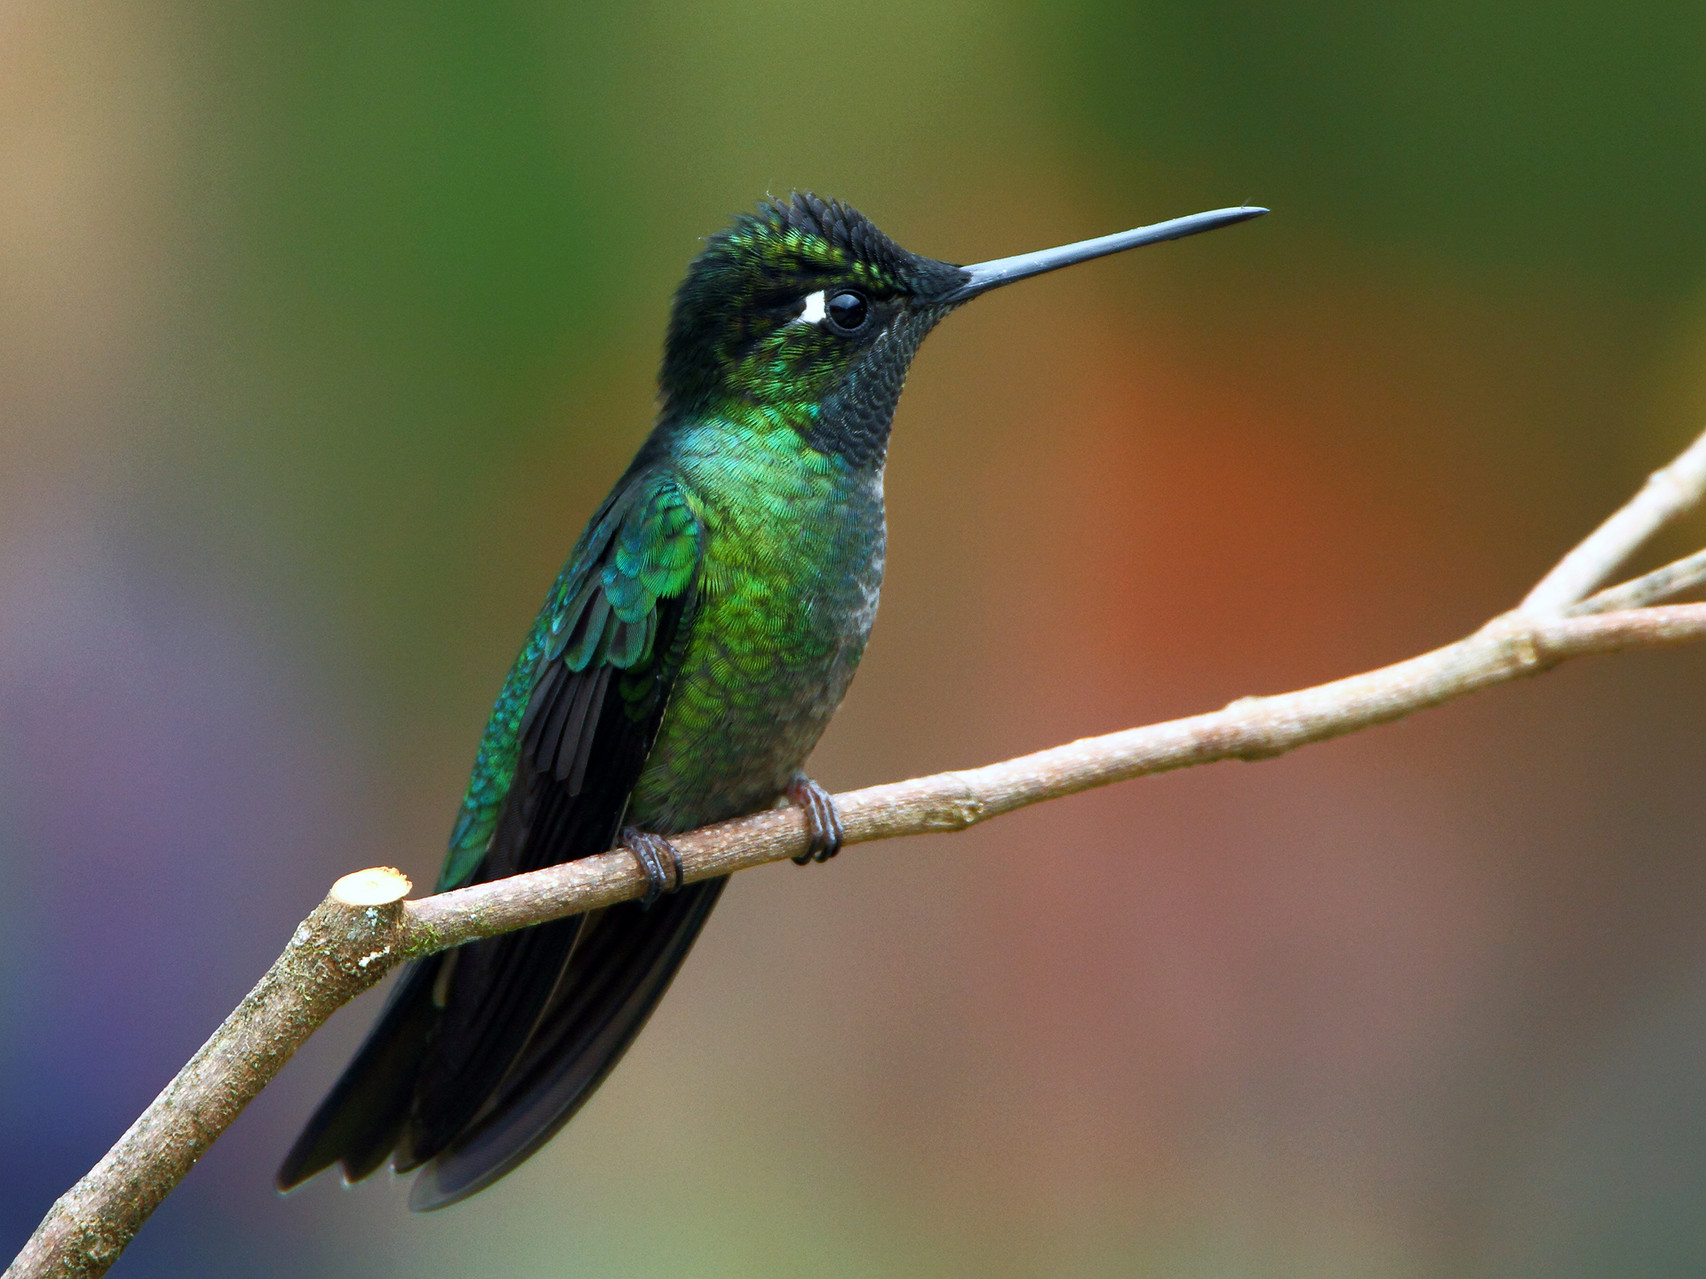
(563, 749)
(608, 626)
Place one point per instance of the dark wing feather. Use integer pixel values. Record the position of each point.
(497, 988)
(435, 1073)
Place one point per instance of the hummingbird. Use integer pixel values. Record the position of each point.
(684, 664)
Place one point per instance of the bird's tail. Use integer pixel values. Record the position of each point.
(625, 961)
(360, 1120)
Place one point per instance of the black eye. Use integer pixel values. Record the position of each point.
(847, 311)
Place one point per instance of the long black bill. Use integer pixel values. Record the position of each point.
(984, 276)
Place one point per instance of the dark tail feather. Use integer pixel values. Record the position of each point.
(624, 963)
(494, 996)
(361, 1118)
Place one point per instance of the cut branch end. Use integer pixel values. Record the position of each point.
(375, 886)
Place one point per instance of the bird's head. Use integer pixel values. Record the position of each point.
(804, 315)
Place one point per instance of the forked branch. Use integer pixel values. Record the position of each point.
(364, 928)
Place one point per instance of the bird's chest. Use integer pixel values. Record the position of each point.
(787, 595)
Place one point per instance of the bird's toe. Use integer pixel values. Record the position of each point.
(658, 858)
(825, 833)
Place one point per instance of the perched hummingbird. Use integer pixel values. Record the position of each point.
(683, 666)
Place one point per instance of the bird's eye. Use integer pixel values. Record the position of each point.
(847, 311)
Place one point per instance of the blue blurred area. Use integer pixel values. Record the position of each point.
(322, 329)
(165, 775)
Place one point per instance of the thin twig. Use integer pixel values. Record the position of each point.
(1661, 584)
(364, 928)
(1668, 492)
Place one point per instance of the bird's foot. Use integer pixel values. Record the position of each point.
(658, 858)
(823, 822)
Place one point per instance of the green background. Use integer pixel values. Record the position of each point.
(324, 326)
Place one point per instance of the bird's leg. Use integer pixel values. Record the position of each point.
(658, 858)
(823, 822)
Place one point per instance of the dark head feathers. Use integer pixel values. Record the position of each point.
(843, 227)
(752, 278)
(803, 236)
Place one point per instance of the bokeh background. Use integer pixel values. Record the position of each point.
(322, 328)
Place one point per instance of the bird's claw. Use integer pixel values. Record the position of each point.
(824, 831)
(658, 858)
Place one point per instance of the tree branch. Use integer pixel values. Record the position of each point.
(1661, 584)
(364, 927)
(1668, 493)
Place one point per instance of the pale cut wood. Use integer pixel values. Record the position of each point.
(375, 886)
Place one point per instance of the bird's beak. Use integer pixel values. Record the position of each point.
(984, 276)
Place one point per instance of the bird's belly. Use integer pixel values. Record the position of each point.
(763, 673)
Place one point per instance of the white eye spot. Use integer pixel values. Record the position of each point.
(814, 311)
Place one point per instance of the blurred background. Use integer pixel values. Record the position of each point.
(324, 326)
